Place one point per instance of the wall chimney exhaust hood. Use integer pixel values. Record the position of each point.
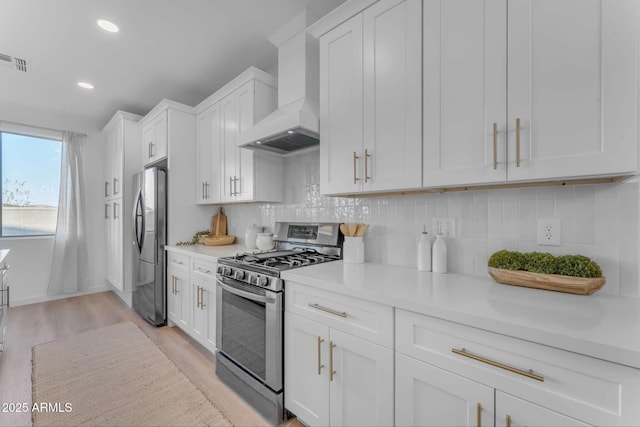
(295, 125)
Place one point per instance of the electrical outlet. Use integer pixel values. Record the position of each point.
(549, 231)
(445, 226)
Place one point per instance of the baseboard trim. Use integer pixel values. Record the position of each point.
(45, 298)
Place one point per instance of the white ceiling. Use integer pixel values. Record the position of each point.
(183, 50)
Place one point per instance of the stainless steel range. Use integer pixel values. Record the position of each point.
(249, 311)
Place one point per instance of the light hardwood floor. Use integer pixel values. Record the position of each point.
(38, 323)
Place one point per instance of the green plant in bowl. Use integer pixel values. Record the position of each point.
(539, 262)
(507, 260)
(577, 266)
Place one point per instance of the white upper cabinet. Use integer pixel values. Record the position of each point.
(573, 84)
(155, 139)
(465, 92)
(208, 155)
(566, 109)
(371, 100)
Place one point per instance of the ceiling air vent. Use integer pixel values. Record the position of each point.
(18, 64)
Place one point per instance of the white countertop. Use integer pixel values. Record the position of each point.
(211, 253)
(597, 325)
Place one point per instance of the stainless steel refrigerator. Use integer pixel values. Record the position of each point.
(149, 236)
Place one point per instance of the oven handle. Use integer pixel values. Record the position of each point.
(245, 294)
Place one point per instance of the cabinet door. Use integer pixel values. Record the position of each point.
(109, 161)
(341, 108)
(117, 160)
(182, 308)
(199, 314)
(361, 391)
(244, 157)
(108, 238)
(392, 43)
(228, 118)
(465, 93)
(117, 244)
(203, 155)
(306, 377)
(573, 85)
(161, 136)
(514, 412)
(430, 396)
(209, 301)
(148, 138)
(174, 307)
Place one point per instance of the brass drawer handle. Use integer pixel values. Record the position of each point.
(328, 310)
(518, 142)
(528, 374)
(508, 421)
(331, 371)
(320, 365)
(479, 415)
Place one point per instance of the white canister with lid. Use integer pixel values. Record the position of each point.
(353, 250)
(251, 235)
(264, 241)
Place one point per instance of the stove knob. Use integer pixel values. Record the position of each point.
(239, 275)
(263, 281)
(220, 270)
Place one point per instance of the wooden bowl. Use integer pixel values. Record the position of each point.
(549, 282)
(218, 240)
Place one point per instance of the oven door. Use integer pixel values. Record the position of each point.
(249, 329)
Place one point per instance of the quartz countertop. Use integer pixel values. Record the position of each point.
(598, 325)
(211, 253)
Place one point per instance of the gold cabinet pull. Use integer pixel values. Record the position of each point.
(495, 146)
(331, 371)
(518, 142)
(508, 421)
(320, 365)
(366, 165)
(198, 298)
(202, 304)
(355, 177)
(328, 310)
(479, 415)
(528, 374)
(177, 288)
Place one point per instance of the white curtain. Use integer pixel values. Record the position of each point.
(69, 270)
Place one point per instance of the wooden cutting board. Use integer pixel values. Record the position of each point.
(219, 224)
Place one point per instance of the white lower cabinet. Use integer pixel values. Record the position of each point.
(444, 370)
(178, 302)
(191, 297)
(514, 412)
(430, 396)
(333, 378)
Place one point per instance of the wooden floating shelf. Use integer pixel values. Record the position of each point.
(549, 282)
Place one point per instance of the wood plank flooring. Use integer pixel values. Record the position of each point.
(29, 325)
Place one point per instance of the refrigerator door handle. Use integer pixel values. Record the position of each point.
(138, 236)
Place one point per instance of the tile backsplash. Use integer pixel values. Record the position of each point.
(597, 220)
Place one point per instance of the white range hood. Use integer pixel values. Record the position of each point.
(295, 125)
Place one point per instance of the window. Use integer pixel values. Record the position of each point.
(30, 183)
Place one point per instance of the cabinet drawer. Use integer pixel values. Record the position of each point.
(205, 269)
(588, 389)
(364, 319)
(177, 261)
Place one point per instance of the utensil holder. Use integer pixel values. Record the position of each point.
(353, 250)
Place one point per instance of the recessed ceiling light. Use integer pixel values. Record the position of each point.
(258, 142)
(108, 26)
(289, 131)
(85, 85)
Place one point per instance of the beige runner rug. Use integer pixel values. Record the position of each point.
(114, 376)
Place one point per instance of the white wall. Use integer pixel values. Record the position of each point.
(599, 221)
(30, 258)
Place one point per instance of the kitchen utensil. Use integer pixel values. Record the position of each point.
(352, 229)
(362, 229)
(344, 229)
(219, 224)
